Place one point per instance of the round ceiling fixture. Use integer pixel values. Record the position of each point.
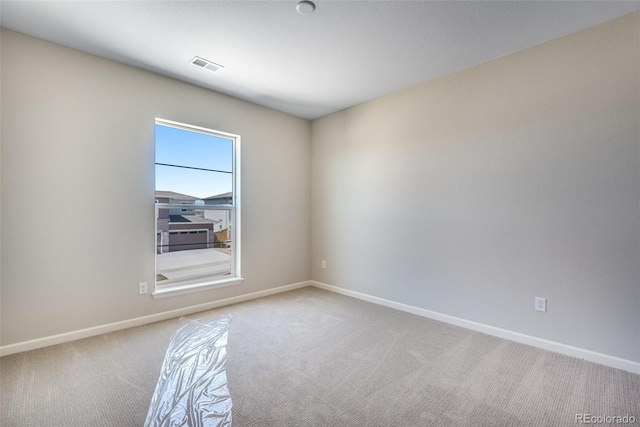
(305, 7)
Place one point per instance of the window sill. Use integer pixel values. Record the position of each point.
(170, 291)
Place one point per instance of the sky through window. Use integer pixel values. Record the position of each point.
(192, 163)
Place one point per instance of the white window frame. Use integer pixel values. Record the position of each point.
(178, 288)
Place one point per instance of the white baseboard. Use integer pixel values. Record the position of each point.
(139, 321)
(579, 353)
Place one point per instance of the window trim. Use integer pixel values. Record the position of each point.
(235, 208)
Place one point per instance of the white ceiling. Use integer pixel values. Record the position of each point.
(346, 53)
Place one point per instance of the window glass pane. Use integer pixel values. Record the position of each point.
(193, 163)
(195, 251)
(194, 240)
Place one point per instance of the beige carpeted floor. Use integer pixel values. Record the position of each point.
(314, 358)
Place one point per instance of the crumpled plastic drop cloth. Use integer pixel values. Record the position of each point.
(192, 388)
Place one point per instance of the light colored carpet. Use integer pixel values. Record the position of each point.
(314, 358)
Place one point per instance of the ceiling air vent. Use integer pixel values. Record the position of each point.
(203, 63)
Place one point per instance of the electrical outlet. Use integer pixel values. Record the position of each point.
(324, 264)
(142, 288)
(541, 304)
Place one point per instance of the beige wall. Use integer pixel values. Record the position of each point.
(472, 194)
(77, 176)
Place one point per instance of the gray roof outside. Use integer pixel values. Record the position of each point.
(174, 195)
(191, 218)
(194, 218)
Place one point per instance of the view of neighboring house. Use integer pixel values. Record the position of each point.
(184, 229)
(177, 198)
(221, 216)
(181, 229)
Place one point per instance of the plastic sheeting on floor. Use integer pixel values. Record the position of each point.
(192, 388)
